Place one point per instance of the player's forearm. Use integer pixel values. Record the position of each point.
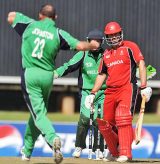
(85, 46)
(66, 69)
(72, 65)
(11, 17)
(98, 83)
(142, 73)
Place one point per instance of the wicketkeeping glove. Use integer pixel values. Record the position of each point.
(147, 92)
(151, 72)
(89, 101)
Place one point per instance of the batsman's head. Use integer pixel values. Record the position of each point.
(98, 36)
(114, 34)
(47, 11)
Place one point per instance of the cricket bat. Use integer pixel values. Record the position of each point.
(151, 72)
(139, 123)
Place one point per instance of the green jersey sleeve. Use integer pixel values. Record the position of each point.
(67, 41)
(72, 65)
(21, 22)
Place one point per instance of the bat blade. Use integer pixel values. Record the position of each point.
(139, 123)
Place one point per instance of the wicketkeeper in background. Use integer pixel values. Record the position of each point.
(87, 62)
(41, 41)
(119, 64)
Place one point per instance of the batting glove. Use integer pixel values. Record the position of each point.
(147, 92)
(89, 101)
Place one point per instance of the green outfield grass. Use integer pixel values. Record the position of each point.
(23, 116)
(59, 117)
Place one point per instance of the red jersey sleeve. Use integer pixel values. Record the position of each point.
(136, 52)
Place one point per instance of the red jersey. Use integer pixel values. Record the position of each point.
(120, 64)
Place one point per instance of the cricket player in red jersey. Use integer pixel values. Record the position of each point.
(119, 65)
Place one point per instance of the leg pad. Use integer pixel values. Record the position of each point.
(109, 135)
(125, 135)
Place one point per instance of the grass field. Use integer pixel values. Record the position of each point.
(59, 117)
(43, 160)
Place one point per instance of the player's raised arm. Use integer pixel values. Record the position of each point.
(67, 41)
(19, 21)
(84, 46)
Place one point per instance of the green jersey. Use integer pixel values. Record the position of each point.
(41, 40)
(88, 66)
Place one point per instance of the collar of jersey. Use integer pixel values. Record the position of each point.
(90, 54)
(50, 21)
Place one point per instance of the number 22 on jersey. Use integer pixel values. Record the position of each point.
(38, 50)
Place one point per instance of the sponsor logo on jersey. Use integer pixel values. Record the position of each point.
(115, 63)
(92, 72)
(43, 34)
(89, 64)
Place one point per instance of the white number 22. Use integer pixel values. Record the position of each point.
(38, 50)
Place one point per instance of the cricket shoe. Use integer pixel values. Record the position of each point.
(24, 157)
(123, 159)
(99, 155)
(58, 157)
(77, 152)
(109, 158)
(105, 153)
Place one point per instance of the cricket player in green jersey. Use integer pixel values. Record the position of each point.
(41, 41)
(87, 62)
